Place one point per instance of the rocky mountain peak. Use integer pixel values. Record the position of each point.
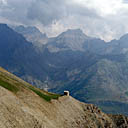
(28, 29)
(3, 25)
(4, 28)
(32, 34)
(73, 33)
(124, 37)
(72, 39)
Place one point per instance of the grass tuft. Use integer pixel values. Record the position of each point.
(8, 86)
(47, 97)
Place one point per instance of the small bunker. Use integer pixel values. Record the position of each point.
(66, 93)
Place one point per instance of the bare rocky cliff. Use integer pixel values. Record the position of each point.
(22, 106)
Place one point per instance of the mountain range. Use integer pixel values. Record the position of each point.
(94, 71)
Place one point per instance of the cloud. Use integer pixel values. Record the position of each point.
(125, 1)
(100, 18)
(15, 10)
(57, 16)
(46, 11)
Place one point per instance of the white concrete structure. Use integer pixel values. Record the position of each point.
(66, 93)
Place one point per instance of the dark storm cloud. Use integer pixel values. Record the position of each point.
(15, 10)
(47, 11)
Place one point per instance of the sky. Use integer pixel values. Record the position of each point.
(105, 19)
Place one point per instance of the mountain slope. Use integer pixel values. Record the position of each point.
(71, 39)
(32, 34)
(18, 55)
(76, 40)
(24, 108)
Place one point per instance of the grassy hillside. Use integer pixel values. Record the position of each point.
(15, 85)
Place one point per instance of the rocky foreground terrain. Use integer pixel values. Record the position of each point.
(24, 106)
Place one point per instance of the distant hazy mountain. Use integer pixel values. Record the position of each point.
(69, 40)
(32, 34)
(76, 40)
(17, 54)
(91, 69)
(12, 45)
(120, 46)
